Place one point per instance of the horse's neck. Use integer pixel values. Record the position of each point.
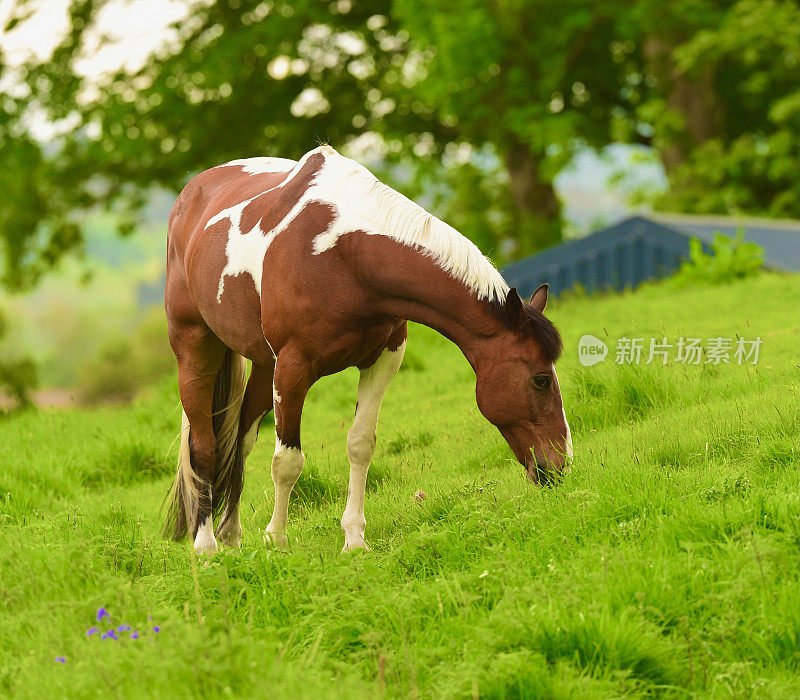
(431, 297)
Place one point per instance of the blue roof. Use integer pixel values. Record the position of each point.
(645, 247)
(779, 238)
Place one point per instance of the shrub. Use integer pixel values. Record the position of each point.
(18, 376)
(127, 364)
(730, 259)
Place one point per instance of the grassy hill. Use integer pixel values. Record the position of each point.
(666, 563)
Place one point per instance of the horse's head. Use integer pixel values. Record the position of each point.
(517, 388)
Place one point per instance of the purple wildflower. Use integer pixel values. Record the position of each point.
(134, 635)
(111, 634)
(60, 660)
(91, 631)
(124, 628)
(156, 629)
(101, 613)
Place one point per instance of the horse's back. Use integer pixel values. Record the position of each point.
(216, 188)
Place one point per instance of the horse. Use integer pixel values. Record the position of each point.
(309, 267)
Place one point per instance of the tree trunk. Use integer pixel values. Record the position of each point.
(530, 193)
(692, 97)
(538, 207)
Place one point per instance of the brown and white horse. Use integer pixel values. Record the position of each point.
(309, 267)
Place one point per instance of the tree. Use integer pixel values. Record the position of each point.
(252, 77)
(242, 78)
(722, 102)
(482, 102)
(534, 80)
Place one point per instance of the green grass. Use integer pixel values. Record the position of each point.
(665, 564)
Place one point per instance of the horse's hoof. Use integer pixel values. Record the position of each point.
(205, 543)
(355, 546)
(275, 539)
(206, 547)
(230, 539)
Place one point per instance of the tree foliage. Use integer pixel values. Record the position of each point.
(482, 103)
(748, 158)
(534, 81)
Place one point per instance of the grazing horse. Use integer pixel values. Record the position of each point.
(309, 267)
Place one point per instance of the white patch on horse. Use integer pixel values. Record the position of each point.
(205, 543)
(372, 386)
(569, 434)
(361, 203)
(364, 203)
(245, 251)
(568, 448)
(262, 165)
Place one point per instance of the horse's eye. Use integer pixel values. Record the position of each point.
(541, 381)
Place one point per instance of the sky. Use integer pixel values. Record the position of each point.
(132, 29)
(127, 31)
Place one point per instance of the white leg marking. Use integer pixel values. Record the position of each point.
(372, 386)
(287, 463)
(205, 543)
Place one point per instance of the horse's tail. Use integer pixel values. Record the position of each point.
(226, 488)
(227, 408)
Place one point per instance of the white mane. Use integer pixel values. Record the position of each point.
(364, 202)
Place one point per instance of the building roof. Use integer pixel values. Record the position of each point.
(648, 246)
(780, 238)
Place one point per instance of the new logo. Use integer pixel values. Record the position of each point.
(591, 350)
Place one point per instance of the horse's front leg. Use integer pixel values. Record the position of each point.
(290, 386)
(372, 385)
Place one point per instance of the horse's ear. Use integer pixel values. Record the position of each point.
(515, 311)
(538, 300)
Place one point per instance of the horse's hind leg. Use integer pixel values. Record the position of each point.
(372, 386)
(257, 403)
(293, 378)
(199, 354)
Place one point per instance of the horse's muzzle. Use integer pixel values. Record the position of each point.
(545, 475)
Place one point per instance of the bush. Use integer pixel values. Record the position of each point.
(730, 259)
(17, 380)
(126, 365)
(18, 376)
